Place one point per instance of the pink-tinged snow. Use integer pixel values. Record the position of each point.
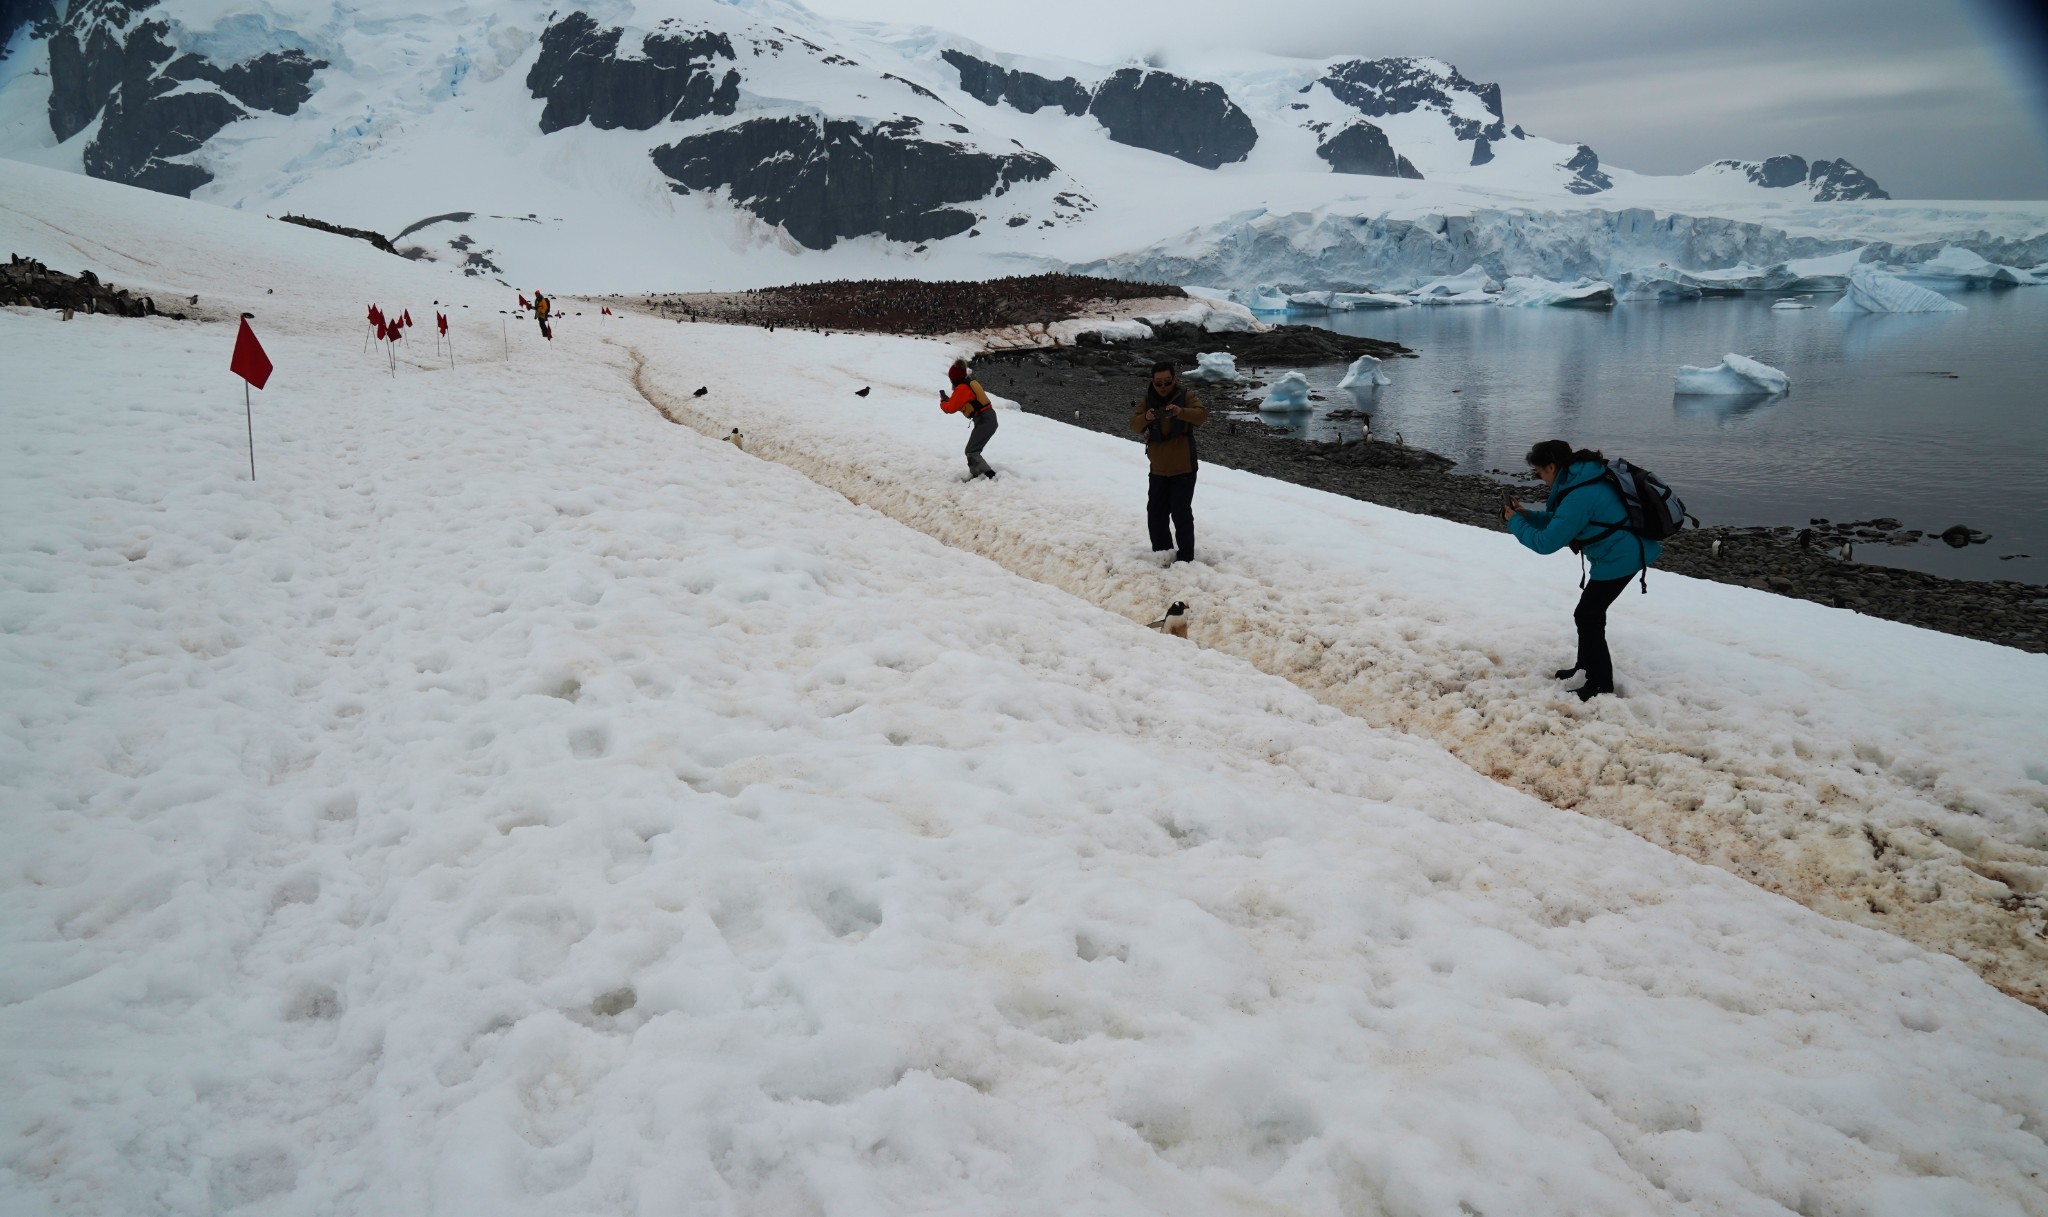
(516, 803)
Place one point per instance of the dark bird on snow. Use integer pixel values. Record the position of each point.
(701, 391)
(862, 392)
(1175, 622)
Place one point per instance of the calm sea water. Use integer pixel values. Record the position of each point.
(1933, 420)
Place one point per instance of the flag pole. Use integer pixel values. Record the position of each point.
(249, 417)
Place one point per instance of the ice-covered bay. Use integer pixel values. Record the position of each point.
(514, 803)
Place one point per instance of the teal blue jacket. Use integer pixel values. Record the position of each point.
(1585, 513)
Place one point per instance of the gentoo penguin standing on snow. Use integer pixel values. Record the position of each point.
(1175, 622)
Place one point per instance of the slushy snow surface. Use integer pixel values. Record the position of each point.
(514, 803)
(1734, 375)
(1871, 290)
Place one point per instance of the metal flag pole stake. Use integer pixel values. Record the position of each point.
(249, 417)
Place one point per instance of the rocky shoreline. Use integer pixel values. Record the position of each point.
(1094, 386)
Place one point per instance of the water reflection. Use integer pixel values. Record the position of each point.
(1904, 416)
(1722, 408)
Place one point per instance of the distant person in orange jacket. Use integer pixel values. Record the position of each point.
(971, 402)
(542, 308)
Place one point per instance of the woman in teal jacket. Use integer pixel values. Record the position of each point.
(1585, 512)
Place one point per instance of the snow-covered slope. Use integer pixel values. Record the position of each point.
(514, 803)
(693, 143)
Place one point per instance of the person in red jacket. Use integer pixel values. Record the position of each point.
(971, 402)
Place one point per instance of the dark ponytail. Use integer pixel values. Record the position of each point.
(1557, 452)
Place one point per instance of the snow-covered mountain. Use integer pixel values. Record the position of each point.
(625, 144)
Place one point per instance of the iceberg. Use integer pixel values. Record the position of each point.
(1657, 283)
(1308, 302)
(1364, 374)
(1960, 267)
(1524, 291)
(1733, 376)
(1289, 393)
(1212, 367)
(1466, 287)
(1790, 305)
(1871, 290)
(1266, 300)
(1745, 277)
(1348, 301)
(1827, 273)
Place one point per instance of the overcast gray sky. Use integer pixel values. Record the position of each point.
(1933, 98)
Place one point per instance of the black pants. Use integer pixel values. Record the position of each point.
(1172, 499)
(1591, 618)
(977, 439)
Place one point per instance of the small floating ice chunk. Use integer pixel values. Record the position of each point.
(1214, 366)
(1735, 375)
(1349, 301)
(1788, 304)
(1288, 393)
(1871, 290)
(1364, 374)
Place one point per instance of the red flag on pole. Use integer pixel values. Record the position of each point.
(441, 320)
(523, 303)
(607, 311)
(406, 320)
(249, 362)
(376, 316)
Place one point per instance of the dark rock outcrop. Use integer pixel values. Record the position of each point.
(139, 86)
(1191, 120)
(1586, 177)
(823, 180)
(1831, 181)
(1029, 92)
(1842, 182)
(675, 76)
(1482, 151)
(361, 234)
(1402, 85)
(41, 14)
(1363, 148)
(24, 281)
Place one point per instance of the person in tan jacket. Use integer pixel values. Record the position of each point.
(1167, 419)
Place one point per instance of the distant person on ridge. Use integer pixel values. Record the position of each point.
(542, 306)
(1167, 418)
(1585, 512)
(971, 402)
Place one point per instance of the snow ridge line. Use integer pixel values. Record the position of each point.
(1842, 831)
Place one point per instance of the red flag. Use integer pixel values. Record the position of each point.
(441, 320)
(387, 331)
(607, 311)
(377, 317)
(249, 361)
(373, 314)
(523, 303)
(406, 320)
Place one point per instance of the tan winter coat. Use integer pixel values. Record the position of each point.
(1177, 455)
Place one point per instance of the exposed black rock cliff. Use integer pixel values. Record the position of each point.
(1191, 120)
(675, 76)
(1832, 181)
(139, 86)
(1363, 148)
(990, 84)
(1586, 177)
(823, 180)
(1401, 85)
(1842, 182)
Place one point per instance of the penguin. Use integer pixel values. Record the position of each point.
(1717, 547)
(701, 391)
(863, 391)
(1175, 622)
(737, 440)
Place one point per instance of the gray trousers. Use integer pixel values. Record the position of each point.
(977, 439)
